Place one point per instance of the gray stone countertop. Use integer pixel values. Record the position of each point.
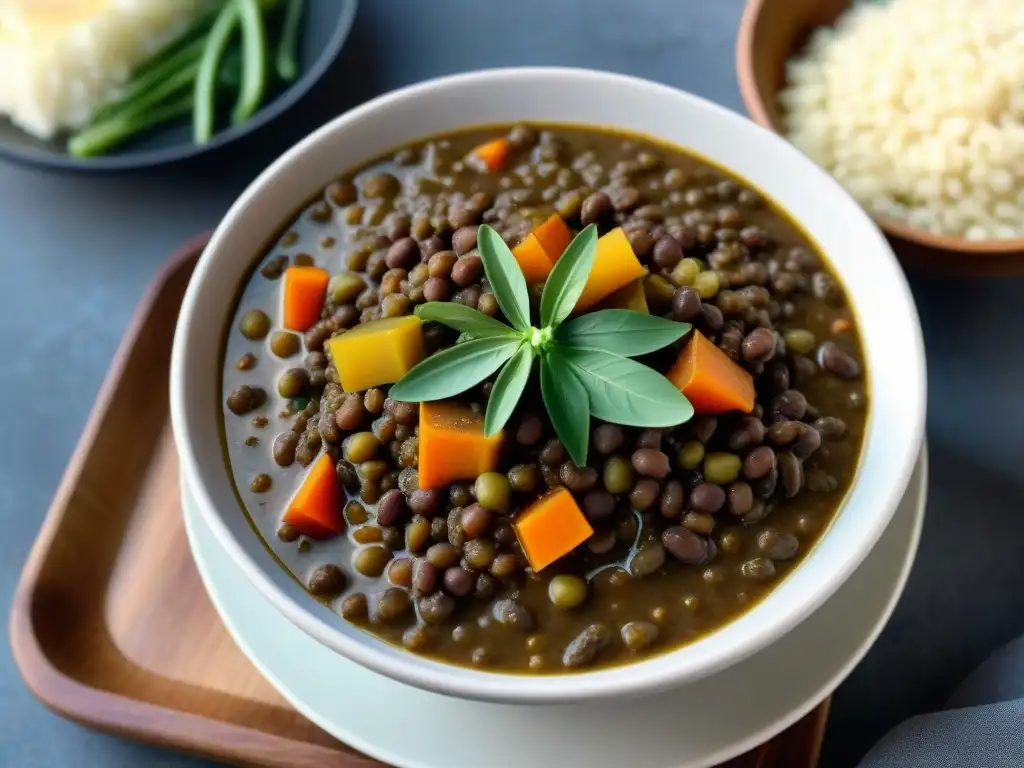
(78, 252)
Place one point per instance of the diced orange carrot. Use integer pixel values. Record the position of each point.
(315, 510)
(710, 380)
(550, 528)
(839, 325)
(378, 352)
(305, 289)
(452, 444)
(532, 259)
(539, 251)
(554, 236)
(615, 266)
(492, 154)
(633, 297)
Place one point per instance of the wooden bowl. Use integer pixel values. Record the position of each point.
(771, 31)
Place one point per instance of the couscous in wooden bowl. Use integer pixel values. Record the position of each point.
(772, 31)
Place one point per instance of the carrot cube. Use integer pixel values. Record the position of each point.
(554, 236)
(452, 444)
(378, 352)
(532, 259)
(304, 291)
(550, 528)
(315, 510)
(491, 155)
(711, 381)
(541, 248)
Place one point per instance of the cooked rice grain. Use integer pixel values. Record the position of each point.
(917, 108)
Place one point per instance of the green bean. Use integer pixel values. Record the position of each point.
(140, 86)
(287, 59)
(193, 34)
(155, 97)
(199, 57)
(229, 78)
(205, 96)
(171, 86)
(100, 137)
(159, 89)
(254, 61)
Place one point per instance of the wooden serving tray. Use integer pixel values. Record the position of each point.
(110, 624)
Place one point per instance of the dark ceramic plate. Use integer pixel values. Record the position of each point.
(326, 24)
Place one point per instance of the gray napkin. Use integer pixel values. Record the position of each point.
(981, 727)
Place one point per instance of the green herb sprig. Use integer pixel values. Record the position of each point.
(585, 365)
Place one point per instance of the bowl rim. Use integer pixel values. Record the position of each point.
(515, 688)
(754, 101)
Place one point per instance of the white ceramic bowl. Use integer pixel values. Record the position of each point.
(888, 321)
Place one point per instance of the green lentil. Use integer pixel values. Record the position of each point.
(706, 284)
(799, 340)
(618, 474)
(691, 455)
(566, 591)
(721, 468)
(361, 447)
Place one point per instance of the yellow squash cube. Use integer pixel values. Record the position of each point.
(375, 353)
(615, 266)
(632, 297)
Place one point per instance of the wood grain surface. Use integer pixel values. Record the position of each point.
(110, 624)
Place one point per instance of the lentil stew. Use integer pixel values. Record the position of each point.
(682, 529)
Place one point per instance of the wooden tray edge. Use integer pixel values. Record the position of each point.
(821, 713)
(95, 707)
(133, 718)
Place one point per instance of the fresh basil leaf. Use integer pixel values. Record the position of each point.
(567, 405)
(507, 389)
(463, 319)
(621, 332)
(568, 278)
(505, 277)
(623, 391)
(454, 370)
